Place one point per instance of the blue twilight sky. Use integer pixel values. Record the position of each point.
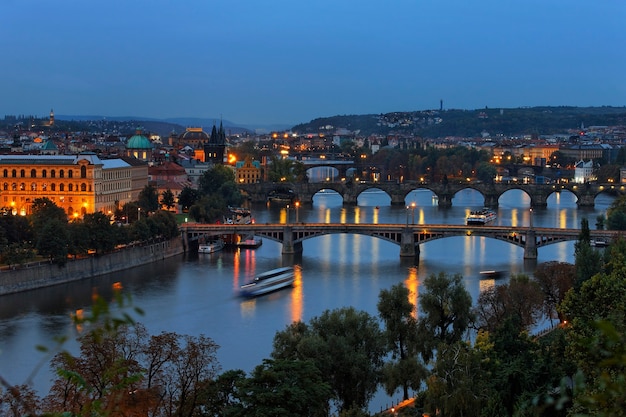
(290, 61)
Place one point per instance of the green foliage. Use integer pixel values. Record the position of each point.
(285, 388)
(167, 199)
(53, 240)
(187, 197)
(397, 313)
(212, 179)
(148, 199)
(44, 210)
(447, 311)
(347, 347)
(616, 214)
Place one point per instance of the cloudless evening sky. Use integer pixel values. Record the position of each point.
(290, 61)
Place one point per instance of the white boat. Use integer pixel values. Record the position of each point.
(210, 247)
(482, 216)
(269, 281)
(599, 242)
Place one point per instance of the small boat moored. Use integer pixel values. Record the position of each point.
(211, 247)
(269, 281)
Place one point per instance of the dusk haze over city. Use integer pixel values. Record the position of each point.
(288, 62)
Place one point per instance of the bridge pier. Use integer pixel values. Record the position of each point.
(289, 247)
(539, 201)
(445, 200)
(491, 200)
(530, 246)
(407, 244)
(586, 200)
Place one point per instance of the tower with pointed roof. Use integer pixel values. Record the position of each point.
(215, 149)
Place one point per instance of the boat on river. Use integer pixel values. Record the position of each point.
(269, 281)
(211, 247)
(481, 217)
(249, 242)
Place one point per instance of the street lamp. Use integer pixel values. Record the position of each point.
(297, 207)
(413, 212)
(407, 216)
(287, 222)
(138, 213)
(531, 217)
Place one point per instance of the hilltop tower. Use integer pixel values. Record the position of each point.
(51, 123)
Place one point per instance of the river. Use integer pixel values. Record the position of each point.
(196, 294)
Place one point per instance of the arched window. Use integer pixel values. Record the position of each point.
(53, 173)
(33, 186)
(22, 173)
(44, 187)
(83, 171)
(53, 187)
(22, 186)
(70, 173)
(14, 173)
(14, 186)
(33, 173)
(83, 187)
(6, 173)
(61, 187)
(5, 186)
(61, 174)
(44, 174)
(70, 187)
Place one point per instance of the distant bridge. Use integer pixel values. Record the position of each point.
(408, 237)
(350, 191)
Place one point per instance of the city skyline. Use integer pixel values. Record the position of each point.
(285, 62)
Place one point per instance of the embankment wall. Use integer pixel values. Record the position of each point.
(29, 277)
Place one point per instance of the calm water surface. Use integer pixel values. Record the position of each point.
(196, 294)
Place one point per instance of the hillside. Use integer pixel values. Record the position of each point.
(471, 123)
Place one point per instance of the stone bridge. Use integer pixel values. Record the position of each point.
(408, 237)
(350, 191)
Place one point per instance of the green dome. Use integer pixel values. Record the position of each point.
(138, 141)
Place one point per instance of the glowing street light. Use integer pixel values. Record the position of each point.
(413, 212)
(138, 213)
(297, 207)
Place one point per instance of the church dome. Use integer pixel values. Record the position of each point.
(194, 134)
(138, 141)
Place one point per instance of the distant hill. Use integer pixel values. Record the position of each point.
(178, 124)
(472, 123)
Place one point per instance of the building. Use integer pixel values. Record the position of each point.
(140, 147)
(168, 176)
(215, 149)
(583, 171)
(79, 184)
(248, 171)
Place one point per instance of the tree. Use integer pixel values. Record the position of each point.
(616, 214)
(167, 199)
(554, 279)
(187, 197)
(397, 313)
(447, 311)
(212, 179)
(347, 347)
(101, 237)
(520, 299)
(588, 261)
(486, 172)
(285, 388)
(53, 241)
(457, 385)
(148, 199)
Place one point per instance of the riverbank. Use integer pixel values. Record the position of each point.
(41, 275)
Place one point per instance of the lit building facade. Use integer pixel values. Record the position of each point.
(248, 171)
(79, 184)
